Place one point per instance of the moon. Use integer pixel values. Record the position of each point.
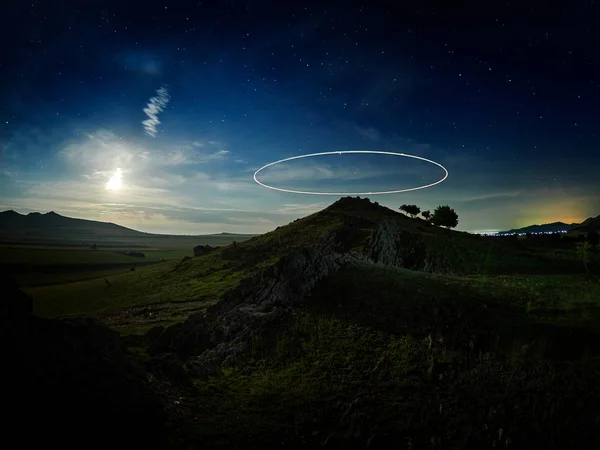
(114, 184)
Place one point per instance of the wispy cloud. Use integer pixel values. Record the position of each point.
(493, 195)
(220, 154)
(347, 171)
(155, 106)
(370, 133)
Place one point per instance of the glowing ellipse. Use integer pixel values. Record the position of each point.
(341, 152)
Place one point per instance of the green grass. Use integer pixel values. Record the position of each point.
(40, 257)
(38, 279)
(571, 299)
(382, 357)
(202, 278)
(44, 264)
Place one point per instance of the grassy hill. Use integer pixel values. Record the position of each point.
(424, 338)
(352, 221)
(390, 358)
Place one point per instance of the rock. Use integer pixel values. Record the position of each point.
(200, 250)
(70, 384)
(170, 366)
(260, 300)
(192, 336)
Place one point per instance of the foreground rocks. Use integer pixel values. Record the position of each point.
(221, 336)
(70, 384)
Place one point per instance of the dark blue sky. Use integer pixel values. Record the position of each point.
(178, 103)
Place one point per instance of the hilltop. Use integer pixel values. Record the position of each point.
(359, 327)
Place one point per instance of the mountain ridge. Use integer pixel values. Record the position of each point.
(11, 220)
(553, 227)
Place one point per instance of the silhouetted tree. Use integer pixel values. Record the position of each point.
(94, 247)
(412, 210)
(444, 216)
(593, 238)
(426, 214)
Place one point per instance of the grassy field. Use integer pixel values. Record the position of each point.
(199, 279)
(382, 358)
(45, 264)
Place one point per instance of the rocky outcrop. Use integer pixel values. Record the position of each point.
(70, 384)
(221, 335)
(200, 250)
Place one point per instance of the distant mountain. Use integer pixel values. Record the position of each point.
(52, 228)
(12, 220)
(591, 223)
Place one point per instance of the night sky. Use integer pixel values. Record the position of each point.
(155, 115)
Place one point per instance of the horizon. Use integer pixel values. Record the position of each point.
(247, 233)
(161, 129)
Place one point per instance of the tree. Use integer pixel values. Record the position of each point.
(444, 216)
(412, 210)
(426, 214)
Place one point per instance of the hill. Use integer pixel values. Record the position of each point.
(554, 227)
(593, 223)
(358, 327)
(52, 228)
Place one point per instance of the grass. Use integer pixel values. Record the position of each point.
(476, 343)
(42, 264)
(39, 279)
(383, 357)
(203, 278)
(47, 256)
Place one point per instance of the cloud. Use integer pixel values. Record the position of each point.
(300, 208)
(104, 151)
(156, 105)
(218, 155)
(492, 195)
(369, 133)
(350, 169)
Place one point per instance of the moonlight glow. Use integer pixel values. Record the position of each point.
(114, 184)
(368, 152)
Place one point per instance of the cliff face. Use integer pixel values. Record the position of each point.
(222, 334)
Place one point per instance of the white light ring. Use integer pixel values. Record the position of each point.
(341, 152)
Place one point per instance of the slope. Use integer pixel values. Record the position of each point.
(53, 228)
(357, 228)
(357, 327)
(379, 357)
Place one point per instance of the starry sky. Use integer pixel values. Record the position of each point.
(155, 115)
